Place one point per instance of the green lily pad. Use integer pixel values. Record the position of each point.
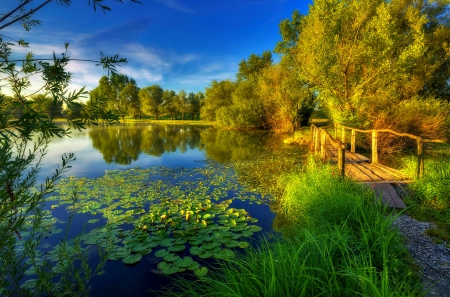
(163, 264)
(177, 248)
(205, 255)
(167, 242)
(170, 269)
(224, 254)
(184, 262)
(162, 253)
(196, 242)
(208, 246)
(232, 244)
(195, 265)
(254, 228)
(247, 233)
(131, 259)
(171, 257)
(201, 271)
(243, 244)
(195, 250)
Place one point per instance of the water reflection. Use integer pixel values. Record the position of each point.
(123, 144)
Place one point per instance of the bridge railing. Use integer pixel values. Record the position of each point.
(319, 138)
(342, 131)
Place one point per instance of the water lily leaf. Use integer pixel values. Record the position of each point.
(163, 264)
(243, 244)
(208, 245)
(253, 220)
(162, 253)
(171, 257)
(138, 248)
(254, 228)
(167, 242)
(232, 244)
(180, 240)
(195, 265)
(177, 248)
(215, 249)
(131, 259)
(196, 242)
(208, 216)
(201, 271)
(195, 250)
(247, 233)
(184, 262)
(205, 255)
(93, 221)
(224, 254)
(170, 270)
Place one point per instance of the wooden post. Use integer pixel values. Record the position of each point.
(374, 146)
(353, 141)
(323, 139)
(316, 141)
(311, 136)
(420, 158)
(343, 135)
(341, 159)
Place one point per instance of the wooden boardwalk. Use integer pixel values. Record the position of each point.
(382, 179)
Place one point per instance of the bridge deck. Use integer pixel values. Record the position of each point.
(377, 176)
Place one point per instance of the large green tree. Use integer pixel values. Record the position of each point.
(364, 57)
(151, 99)
(169, 98)
(218, 94)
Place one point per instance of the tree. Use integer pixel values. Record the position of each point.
(46, 105)
(20, 157)
(197, 103)
(250, 68)
(169, 107)
(129, 97)
(217, 95)
(151, 99)
(363, 57)
(182, 103)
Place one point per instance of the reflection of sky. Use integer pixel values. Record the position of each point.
(89, 161)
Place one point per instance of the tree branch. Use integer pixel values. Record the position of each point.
(14, 10)
(25, 15)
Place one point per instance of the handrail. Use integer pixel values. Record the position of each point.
(420, 141)
(319, 138)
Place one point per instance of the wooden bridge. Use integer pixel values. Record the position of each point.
(362, 169)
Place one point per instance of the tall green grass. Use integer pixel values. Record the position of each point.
(338, 242)
(434, 187)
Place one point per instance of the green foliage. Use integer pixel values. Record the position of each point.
(352, 251)
(217, 95)
(433, 189)
(364, 57)
(151, 99)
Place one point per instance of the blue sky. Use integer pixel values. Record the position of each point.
(176, 44)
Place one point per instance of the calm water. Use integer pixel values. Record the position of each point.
(177, 147)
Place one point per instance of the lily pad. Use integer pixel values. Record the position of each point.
(224, 254)
(195, 265)
(254, 228)
(184, 262)
(131, 259)
(195, 250)
(167, 242)
(162, 253)
(170, 269)
(171, 257)
(205, 255)
(177, 248)
(201, 271)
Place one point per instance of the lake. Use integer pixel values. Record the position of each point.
(163, 199)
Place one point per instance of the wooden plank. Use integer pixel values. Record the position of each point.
(388, 195)
(392, 171)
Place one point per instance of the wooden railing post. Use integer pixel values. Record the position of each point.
(316, 141)
(341, 159)
(311, 136)
(353, 141)
(323, 138)
(343, 135)
(374, 146)
(420, 158)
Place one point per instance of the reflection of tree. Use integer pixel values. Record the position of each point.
(229, 145)
(118, 144)
(123, 144)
